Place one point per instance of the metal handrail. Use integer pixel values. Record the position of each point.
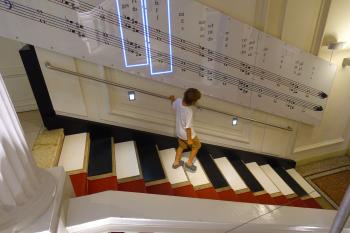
(51, 67)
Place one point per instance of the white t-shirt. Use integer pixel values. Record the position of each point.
(184, 119)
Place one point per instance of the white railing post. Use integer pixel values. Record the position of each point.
(26, 191)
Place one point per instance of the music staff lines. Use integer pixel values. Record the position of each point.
(197, 49)
(243, 86)
(109, 39)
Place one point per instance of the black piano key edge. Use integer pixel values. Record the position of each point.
(100, 156)
(214, 175)
(152, 169)
(239, 164)
(290, 181)
(247, 156)
(245, 174)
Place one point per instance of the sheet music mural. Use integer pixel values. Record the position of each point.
(182, 43)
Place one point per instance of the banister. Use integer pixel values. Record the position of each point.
(51, 67)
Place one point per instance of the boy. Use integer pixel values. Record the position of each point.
(184, 130)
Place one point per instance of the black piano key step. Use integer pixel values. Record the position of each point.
(290, 181)
(101, 157)
(151, 166)
(210, 168)
(246, 175)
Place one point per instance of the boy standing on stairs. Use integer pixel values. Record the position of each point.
(184, 130)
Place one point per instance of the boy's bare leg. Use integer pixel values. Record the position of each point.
(192, 156)
(178, 156)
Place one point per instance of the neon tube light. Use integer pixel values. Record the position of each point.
(149, 41)
(143, 12)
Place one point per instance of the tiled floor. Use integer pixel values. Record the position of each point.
(328, 177)
(334, 185)
(324, 165)
(32, 125)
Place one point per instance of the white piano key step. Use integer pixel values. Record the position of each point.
(278, 181)
(263, 179)
(231, 175)
(127, 162)
(303, 183)
(177, 177)
(198, 179)
(74, 154)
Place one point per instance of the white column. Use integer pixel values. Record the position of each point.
(342, 214)
(26, 191)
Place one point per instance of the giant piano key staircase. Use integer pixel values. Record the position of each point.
(144, 164)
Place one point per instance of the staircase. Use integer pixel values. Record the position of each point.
(144, 165)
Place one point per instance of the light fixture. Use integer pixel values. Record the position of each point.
(131, 95)
(124, 41)
(234, 121)
(346, 62)
(169, 42)
(335, 46)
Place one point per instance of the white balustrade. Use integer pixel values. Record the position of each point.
(26, 191)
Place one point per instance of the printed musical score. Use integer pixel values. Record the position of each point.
(212, 57)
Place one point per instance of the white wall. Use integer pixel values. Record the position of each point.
(15, 77)
(88, 100)
(331, 138)
(298, 22)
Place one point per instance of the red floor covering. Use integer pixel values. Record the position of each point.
(185, 191)
(281, 200)
(247, 197)
(228, 195)
(137, 186)
(265, 199)
(163, 189)
(208, 193)
(82, 187)
(79, 182)
(104, 184)
(312, 203)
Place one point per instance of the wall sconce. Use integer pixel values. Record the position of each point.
(335, 46)
(346, 62)
(234, 121)
(131, 95)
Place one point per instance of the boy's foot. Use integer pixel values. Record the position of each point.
(180, 164)
(191, 168)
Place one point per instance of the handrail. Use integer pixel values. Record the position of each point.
(51, 67)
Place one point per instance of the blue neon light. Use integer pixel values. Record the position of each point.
(122, 36)
(149, 42)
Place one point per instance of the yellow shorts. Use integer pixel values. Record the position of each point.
(195, 146)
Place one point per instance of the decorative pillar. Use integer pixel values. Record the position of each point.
(26, 191)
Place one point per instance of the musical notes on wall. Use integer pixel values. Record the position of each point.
(186, 43)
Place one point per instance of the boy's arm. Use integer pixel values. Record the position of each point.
(189, 136)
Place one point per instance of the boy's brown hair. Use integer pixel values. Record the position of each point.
(191, 96)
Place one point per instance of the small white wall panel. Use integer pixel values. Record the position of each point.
(199, 178)
(126, 160)
(263, 179)
(277, 180)
(303, 183)
(73, 152)
(175, 176)
(183, 41)
(231, 175)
